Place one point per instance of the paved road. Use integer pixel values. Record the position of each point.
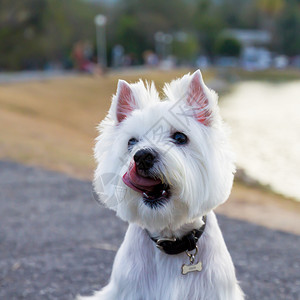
(24, 76)
(56, 241)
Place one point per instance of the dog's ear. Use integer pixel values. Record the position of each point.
(125, 101)
(197, 97)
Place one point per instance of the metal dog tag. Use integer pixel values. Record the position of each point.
(191, 268)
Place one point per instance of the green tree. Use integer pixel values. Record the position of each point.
(208, 25)
(228, 46)
(130, 36)
(185, 48)
(134, 23)
(33, 32)
(288, 29)
(271, 7)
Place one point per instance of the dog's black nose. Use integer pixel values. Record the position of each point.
(144, 159)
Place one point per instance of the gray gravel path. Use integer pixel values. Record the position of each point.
(26, 76)
(56, 242)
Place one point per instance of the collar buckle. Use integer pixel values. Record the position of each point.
(162, 240)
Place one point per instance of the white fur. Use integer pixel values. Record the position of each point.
(200, 174)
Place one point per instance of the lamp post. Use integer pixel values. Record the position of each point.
(100, 22)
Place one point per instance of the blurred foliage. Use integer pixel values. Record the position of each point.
(128, 33)
(271, 7)
(227, 46)
(135, 22)
(186, 49)
(36, 32)
(288, 30)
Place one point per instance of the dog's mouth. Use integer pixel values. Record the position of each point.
(153, 190)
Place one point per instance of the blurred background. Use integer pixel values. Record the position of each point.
(60, 35)
(60, 61)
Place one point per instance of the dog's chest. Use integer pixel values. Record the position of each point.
(154, 275)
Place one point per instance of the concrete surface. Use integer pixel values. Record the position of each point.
(25, 76)
(56, 241)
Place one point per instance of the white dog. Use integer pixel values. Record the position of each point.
(163, 166)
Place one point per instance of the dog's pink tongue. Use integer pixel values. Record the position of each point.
(137, 182)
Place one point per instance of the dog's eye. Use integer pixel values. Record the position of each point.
(131, 143)
(180, 138)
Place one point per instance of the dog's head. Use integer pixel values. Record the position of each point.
(163, 163)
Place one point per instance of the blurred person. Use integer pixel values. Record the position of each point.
(150, 58)
(82, 54)
(117, 56)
